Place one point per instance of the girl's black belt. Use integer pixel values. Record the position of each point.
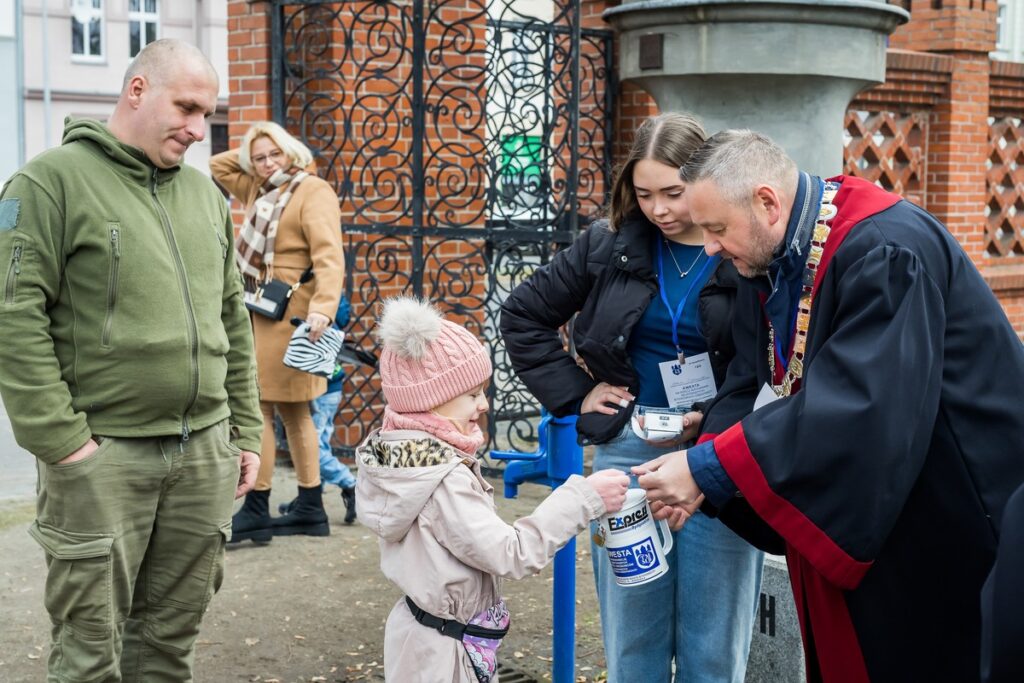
(450, 627)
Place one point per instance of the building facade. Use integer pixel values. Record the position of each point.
(74, 54)
(1009, 31)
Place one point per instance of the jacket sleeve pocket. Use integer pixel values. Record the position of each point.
(17, 254)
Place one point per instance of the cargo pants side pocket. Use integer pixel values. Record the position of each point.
(79, 600)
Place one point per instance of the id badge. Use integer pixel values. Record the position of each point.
(689, 382)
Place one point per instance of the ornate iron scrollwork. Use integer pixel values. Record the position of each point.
(467, 142)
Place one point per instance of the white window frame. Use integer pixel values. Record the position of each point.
(1002, 26)
(84, 12)
(142, 17)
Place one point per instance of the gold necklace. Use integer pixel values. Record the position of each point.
(795, 368)
(682, 273)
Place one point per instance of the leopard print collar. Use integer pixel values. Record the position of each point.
(415, 452)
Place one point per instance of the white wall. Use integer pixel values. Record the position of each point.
(10, 100)
(90, 88)
(1011, 40)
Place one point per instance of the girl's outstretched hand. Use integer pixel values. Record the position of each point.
(611, 485)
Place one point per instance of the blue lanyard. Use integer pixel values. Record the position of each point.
(676, 315)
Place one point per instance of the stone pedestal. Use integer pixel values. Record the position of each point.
(787, 68)
(776, 650)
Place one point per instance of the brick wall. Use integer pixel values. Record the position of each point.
(248, 72)
(948, 26)
(933, 113)
(944, 130)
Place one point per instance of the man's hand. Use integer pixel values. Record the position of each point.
(691, 423)
(81, 453)
(606, 399)
(668, 480)
(248, 466)
(676, 516)
(318, 322)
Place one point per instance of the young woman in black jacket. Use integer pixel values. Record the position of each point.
(653, 331)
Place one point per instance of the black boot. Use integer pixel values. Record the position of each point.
(348, 497)
(252, 521)
(307, 517)
(285, 508)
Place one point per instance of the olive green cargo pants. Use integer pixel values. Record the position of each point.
(134, 539)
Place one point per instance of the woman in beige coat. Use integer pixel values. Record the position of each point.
(292, 223)
(421, 491)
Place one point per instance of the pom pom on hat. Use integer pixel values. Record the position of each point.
(408, 327)
(426, 360)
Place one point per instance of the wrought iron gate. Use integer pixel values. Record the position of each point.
(467, 141)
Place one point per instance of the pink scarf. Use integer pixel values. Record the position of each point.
(437, 426)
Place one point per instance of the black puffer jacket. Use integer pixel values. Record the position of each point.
(610, 280)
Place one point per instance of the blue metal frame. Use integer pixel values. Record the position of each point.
(558, 457)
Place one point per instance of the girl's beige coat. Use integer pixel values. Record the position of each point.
(443, 543)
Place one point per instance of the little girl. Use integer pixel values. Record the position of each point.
(421, 491)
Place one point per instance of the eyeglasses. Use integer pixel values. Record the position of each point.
(273, 156)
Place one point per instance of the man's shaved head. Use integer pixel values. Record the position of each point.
(169, 91)
(157, 61)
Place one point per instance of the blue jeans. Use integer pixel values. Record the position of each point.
(332, 470)
(700, 614)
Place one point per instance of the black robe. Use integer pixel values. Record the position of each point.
(884, 476)
(1002, 602)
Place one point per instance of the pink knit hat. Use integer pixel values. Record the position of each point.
(426, 360)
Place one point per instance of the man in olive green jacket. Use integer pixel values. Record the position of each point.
(126, 367)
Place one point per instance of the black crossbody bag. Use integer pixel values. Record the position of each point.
(271, 298)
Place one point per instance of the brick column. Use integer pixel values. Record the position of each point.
(248, 72)
(248, 64)
(632, 103)
(958, 134)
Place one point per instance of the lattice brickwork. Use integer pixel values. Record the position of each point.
(1004, 185)
(889, 149)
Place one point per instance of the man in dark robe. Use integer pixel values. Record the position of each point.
(869, 427)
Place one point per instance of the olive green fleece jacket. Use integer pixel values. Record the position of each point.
(122, 311)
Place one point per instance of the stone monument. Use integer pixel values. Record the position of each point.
(776, 649)
(787, 68)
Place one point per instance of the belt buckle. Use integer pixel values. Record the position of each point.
(454, 632)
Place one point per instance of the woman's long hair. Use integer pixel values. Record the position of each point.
(669, 138)
(297, 152)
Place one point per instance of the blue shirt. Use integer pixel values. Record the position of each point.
(651, 341)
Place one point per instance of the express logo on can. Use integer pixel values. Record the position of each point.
(627, 521)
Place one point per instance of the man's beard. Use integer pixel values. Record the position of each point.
(762, 251)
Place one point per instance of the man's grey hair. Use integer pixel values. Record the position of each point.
(737, 161)
(156, 59)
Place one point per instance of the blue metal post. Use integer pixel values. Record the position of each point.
(565, 460)
(558, 457)
(563, 636)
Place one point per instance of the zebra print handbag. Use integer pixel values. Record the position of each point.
(320, 358)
